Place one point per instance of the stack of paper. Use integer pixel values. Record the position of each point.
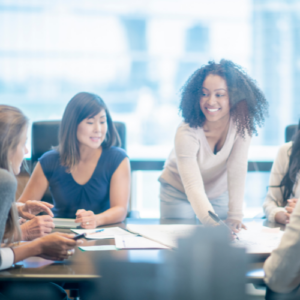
(259, 239)
(65, 223)
(165, 234)
(256, 239)
(123, 240)
(136, 242)
(98, 248)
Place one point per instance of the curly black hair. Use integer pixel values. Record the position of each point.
(248, 105)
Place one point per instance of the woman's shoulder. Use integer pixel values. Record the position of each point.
(7, 179)
(115, 151)
(185, 129)
(52, 155)
(284, 150)
(50, 161)
(111, 158)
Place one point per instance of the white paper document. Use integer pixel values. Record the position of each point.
(258, 238)
(107, 233)
(165, 234)
(136, 242)
(98, 248)
(65, 223)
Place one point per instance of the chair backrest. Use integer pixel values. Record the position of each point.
(121, 129)
(290, 131)
(44, 136)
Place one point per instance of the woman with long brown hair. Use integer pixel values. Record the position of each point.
(55, 246)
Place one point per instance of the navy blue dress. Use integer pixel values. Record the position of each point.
(69, 196)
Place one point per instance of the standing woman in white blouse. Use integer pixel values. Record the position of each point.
(221, 107)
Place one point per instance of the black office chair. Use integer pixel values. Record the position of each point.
(44, 136)
(290, 131)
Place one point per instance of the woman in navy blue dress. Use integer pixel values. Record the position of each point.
(88, 175)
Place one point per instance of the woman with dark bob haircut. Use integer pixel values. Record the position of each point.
(88, 175)
(221, 107)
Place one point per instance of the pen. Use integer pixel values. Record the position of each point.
(219, 221)
(83, 235)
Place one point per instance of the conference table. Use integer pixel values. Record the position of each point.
(81, 267)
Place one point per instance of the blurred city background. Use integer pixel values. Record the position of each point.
(137, 55)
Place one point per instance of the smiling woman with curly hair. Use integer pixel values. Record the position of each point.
(222, 108)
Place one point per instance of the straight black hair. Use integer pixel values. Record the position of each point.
(83, 105)
(289, 179)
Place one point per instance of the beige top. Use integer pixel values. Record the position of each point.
(282, 268)
(194, 169)
(274, 200)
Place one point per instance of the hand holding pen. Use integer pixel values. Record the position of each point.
(220, 222)
(235, 225)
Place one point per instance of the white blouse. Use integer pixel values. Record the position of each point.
(274, 200)
(195, 170)
(7, 258)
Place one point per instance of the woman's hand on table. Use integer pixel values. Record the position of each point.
(235, 225)
(282, 217)
(30, 208)
(57, 246)
(37, 227)
(86, 218)
(291, 203)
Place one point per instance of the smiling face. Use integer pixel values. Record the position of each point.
(91, 132)
(17, 155)
(214, 101)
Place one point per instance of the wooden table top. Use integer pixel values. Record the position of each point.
(81, 266)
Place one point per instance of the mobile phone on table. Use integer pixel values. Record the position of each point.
(79, 236)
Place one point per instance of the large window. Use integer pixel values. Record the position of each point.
(137, 55)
